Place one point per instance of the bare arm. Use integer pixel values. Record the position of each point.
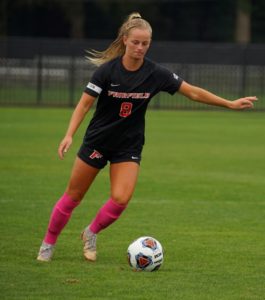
(83, 106)
(203, 96)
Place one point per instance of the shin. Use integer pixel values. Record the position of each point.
(107, 214)
(59, 218)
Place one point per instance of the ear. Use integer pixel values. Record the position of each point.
(125, 38)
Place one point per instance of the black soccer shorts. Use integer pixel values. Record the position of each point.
(99, 158)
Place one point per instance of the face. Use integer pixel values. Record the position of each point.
(137, 43)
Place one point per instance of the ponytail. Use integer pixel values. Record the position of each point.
(117, 47)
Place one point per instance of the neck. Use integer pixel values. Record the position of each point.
(131, 64)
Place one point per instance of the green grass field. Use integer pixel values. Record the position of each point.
(200, 193)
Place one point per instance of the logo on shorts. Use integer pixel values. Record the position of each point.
(95, 154)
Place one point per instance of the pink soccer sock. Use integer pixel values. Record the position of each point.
(60, 216)
(107, 214)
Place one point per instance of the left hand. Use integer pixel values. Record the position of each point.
(241, 103)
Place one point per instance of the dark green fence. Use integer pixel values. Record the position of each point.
(50, 79)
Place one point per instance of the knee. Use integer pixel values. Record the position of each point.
(120, 197)
(75, 194)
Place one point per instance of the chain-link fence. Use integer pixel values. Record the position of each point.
(58, 80)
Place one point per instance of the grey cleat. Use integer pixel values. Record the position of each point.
(46, 252)
(90, 249)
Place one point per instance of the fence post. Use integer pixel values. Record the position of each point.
(244, 72)
(39, 79)
(72, 81)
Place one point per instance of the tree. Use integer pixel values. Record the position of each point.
(74, 12)
(243, 21)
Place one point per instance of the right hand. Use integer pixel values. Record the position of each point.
(64, 146)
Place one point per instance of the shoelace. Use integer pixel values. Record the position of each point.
(91, 241)
(46, 250)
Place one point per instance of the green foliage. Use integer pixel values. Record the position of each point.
(244, 5)
(200, 193)
(193, 20)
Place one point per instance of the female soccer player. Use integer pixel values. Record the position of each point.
(124, 83)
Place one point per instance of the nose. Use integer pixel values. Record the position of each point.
(140, 46)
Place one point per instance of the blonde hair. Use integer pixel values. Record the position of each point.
(117, 47)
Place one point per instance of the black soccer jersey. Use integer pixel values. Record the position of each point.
(119, 120)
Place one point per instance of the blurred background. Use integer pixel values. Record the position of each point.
(218, 45)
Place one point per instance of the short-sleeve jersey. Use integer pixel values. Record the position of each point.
(118, 123)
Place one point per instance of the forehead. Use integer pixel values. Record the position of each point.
(139, 34)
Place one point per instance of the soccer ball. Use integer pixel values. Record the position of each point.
(145, 254)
